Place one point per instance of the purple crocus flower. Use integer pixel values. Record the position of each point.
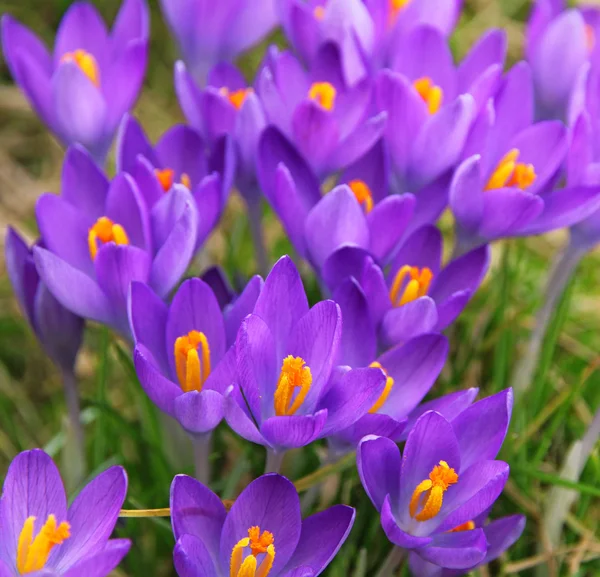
(179, 157)
(263, 533)
(58, 329)
(183, 355)
(82, 91)
(100, 236)
(288, 393)
(40, 535)
(430, 498)
(208, 33)
(326, 121)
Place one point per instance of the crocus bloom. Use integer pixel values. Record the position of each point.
(182, 354)
(100, 236)
(263, 535)
(58, 329)
(227, 106)
(286, 394)
(430, 498)
(211, 33)
(327, 122)
(508, 189)
(39, 535)
(179, 157)
(82, 91)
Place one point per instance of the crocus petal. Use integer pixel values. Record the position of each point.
(378, 464)
(579, 155)
(409, 320)
(239, 420)
(369, 424)
(250, 25)
(198, 512)
(210, 197)
(242, 306)
(501, 534)
(466, 195)
(460, 550)
(373, 169)
(321, 538)
(103, 562)
(347, 262)
(290, 432)
(431, 13)
(271, 502)
(393, 531)
(105, 495)
(423, 248)
(21, 272)
(182, 149)
(192, 559)
(217, 280)
(132, 23)
(32, 486)
(489, 50)
(199, 412)
(131, 143)
(189, 96)
(167, 209)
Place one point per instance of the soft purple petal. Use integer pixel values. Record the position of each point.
(182, 149)
(488, 51)
(199, 412)
(373, 169)
(466, 194)
(242, 306)
(132, 23)
(289, 432)
(189, 97)
(423, 248)
(239, 420)
(409, 320)
(192, 559)
(460, 550)
(103, 562)
(393, 531)
(501, 534)
(21, 272)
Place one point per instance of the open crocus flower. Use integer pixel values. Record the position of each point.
(58, 329)
(40, 536)
(263, 535)
(207, 35)
(82, 91)
(100, 236)
(226, 106)
(508, 189)
(182, 354)
(286, 394)
(327, 122)
(179, 157)
(431, 498)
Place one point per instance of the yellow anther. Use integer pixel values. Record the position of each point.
(105, 230)
(86, 63)
(323, 93)
(509, 172)
(431, 94)
(468, 526)
(362, 192)
(389, 383)
(192, 369)
(294, 375)
(319, 12)
(186, 181)
(236, 97)
(260, 544)
(33, 553)
(429, 494)
(417, 285)
(166, 177)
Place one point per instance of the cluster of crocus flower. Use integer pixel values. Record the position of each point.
(359, 135)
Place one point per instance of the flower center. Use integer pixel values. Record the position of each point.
(323, 94)
(105, 230)
(236, 97)
(33, 553)
(426, 501)
(511, 173)
(431, 94)
(294, 375)
(166, 176)
(86, 63)
(590, 37)
(417, 286)
(397, 5)
(193, 367)
(389, 383)
(259, 544)
(362, 192)
(468, 526)
(319, 12)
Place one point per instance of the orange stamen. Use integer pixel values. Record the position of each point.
(431, 94)
(105, 230)
(428, 496)
(509, 172)
(260, 544)
(33, 553)
(362, 192)
(192, 369)
(417, 286)
(86, 63)
(323, 93)
(389, 383)
(468, 526)
(236, 97)
(294, 375)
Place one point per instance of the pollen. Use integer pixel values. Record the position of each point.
(427, 498)
(362, 192)
(192, 361)
(468, 526)
(236, 97)
(86, 63)
(431, 94)
(105, 230)
(166, 178)
(319, 12)
(33, 553)
(323, 93)
(510, 173)
(389, 384)
(294, 375)
(260, 560)
(410, 283)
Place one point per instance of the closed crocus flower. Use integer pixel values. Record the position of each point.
(287, 393)
(211, 32)
(508, 188)
(432, 497)
(101, 236)
(263, 535)
(178, 158)
(84, 88)
(327, 122)
(40, 535)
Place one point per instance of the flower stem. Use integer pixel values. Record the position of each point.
(564, 264)
(202, 448)
(274, 460)
(256, 231)
(392, 563)
(75, 434)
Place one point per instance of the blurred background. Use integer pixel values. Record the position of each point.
(123, 427)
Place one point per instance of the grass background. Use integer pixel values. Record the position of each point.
(123, 427)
